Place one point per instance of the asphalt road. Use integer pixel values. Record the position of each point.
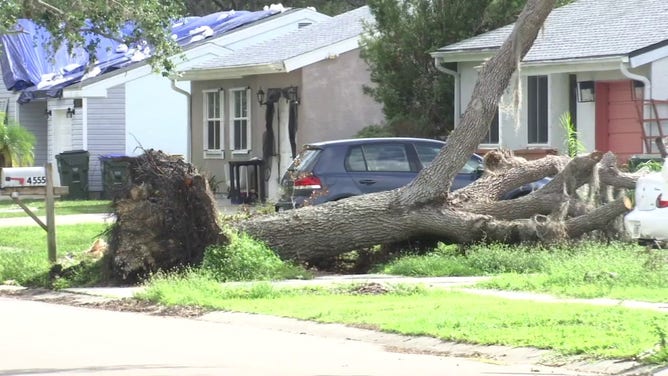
(51, 339)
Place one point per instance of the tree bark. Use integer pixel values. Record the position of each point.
(426, 207)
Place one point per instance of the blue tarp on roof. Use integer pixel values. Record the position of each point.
(29, 66)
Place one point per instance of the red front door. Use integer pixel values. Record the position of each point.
(617, 126)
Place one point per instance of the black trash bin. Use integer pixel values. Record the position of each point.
(73, 171)
(115, 170)
(255, 187)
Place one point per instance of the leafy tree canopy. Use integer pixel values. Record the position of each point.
(417, 98)
(82, 22)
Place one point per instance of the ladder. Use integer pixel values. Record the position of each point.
(652, 121)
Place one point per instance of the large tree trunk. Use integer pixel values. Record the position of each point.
(426, 207)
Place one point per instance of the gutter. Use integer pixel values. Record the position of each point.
(457, 105)
(190, 130)
(624, 67)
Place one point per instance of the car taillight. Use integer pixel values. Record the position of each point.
(308, 182)
(661, 203)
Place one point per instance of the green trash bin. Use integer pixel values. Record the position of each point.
(636, 160)
(73, 171)
(115, 173)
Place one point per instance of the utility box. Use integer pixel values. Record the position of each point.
(73, 170)
(22, 177)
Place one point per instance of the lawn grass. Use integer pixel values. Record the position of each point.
(583, 270)
(570, 329)
(9, 209)
(23, 249)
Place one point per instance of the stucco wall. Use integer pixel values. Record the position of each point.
(333, 104)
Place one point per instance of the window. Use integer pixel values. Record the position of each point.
(213, 123)
(378, 158)
(493, 133)
(537, 109)
(427, 153)
(239, 119)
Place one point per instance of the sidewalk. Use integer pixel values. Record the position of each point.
(224, 206)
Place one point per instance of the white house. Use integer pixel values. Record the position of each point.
(604, 61)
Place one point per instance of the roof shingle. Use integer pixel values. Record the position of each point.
(586, 29)
(339, 28)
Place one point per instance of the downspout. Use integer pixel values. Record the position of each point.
(456, 75)
(624, 67)
(189, 125)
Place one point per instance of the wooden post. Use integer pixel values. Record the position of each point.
(50, 214)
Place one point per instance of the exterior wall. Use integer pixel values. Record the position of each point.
(106, 131)
(659, 79)
(31, 116)
(156, 116)
(219, 167)
(333, 104)
(513, 134)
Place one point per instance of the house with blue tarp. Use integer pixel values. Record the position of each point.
(118, 105)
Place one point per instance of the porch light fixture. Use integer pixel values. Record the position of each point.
(260, 97)
(47, 113)
(586, 91)
(70, 112)
(638, 90)
(290, 93)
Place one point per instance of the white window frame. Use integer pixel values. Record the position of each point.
(213, 153)
(233, 118)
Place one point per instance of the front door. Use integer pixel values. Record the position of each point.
(62, 133)
(617, 126)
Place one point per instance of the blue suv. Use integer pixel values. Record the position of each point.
(333, 170)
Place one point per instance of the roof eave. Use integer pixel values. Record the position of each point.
(455, 56)
(329, 52)
(231, 72)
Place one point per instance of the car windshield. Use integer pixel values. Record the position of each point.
(304, 159)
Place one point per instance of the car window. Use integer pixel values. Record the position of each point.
(472, 165)
(355, 160)
(427, 153)
(386, 157)
(304, 160)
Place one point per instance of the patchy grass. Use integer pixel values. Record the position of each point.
(23, 250)
(584, 270)
(9, 209)
(571, 329)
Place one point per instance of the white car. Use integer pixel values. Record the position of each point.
(648, 221)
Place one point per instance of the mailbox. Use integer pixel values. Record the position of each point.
(22, 177)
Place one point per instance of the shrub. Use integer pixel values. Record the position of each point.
(246, 259)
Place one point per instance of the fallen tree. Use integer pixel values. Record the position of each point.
(427, 208)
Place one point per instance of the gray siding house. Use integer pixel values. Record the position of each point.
(603, 61)
(264, 102)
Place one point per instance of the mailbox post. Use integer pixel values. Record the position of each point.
(34, 181)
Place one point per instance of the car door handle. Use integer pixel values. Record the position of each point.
(367, 181)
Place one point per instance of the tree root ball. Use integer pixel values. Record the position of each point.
(165, 218)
